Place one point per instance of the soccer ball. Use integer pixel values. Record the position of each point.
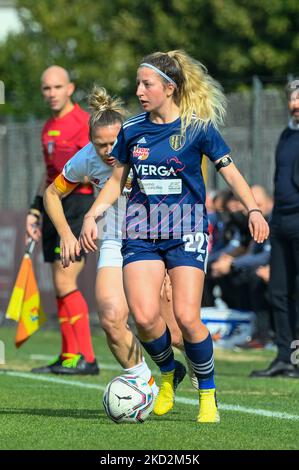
(128, 399)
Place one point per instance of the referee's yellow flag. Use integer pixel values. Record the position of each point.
(14, 308)
(25, 304)
(32, 315)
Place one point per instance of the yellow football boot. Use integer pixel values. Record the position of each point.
(208, 409)
(169, 382)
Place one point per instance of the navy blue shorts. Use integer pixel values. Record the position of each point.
(192, 250)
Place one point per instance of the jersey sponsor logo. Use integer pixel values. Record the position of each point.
(95, 180)
(153, 170)
(142, 141)
(142, 153)
(177, 162)
(177, 141)
(174, 166)
(159, 186)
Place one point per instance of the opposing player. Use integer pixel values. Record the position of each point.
(63, 135)
(94, 162)
(164, 147)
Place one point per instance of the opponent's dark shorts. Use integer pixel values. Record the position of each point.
(192, 250)
(75, 207)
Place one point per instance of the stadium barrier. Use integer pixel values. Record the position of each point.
(227, 326)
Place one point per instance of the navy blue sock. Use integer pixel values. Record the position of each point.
(161, 351)
(202, 359)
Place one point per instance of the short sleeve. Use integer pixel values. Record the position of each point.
(120, 149)
(213, 144)
(74, 170)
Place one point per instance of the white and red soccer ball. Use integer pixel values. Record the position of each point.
(128, 399)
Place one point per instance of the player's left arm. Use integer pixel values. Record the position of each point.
(258, 226)
(53, 195)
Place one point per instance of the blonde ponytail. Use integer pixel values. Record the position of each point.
(201, 99)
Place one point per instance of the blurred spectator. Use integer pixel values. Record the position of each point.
(241, 267)
(284, 263)
(216, 222)
(229, 232)
(229, 235)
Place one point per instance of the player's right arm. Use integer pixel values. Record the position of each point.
(106, 198)
(53, 195)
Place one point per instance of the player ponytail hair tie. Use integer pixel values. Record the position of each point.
(100, 101)
(153, 67)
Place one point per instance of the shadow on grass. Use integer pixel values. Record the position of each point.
(55, 413)
(87, 414)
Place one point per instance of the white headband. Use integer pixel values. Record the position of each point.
(150, 66)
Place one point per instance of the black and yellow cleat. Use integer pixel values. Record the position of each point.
(169, 382)
(77, 365)
(208, 409)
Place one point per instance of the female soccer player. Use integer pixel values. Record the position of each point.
(166, 221)
(94, 162)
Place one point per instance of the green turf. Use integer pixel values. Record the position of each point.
(44, 415)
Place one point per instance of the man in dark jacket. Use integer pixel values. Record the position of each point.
(284, 262)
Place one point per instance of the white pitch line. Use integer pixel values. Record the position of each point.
(183, 400)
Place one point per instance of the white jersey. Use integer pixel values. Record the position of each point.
(87, 163)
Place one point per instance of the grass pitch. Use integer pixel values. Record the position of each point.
(57, 412)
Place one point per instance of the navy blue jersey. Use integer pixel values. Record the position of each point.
(168, 192)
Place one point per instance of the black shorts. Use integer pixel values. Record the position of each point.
(75, 207)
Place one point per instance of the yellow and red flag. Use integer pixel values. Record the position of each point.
(25, 304)
(14, 308)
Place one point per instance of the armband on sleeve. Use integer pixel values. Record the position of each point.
(225, 161)
(63, 185)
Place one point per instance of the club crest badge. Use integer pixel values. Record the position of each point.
(177, 141)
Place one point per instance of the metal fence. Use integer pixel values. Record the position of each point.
(21, 164)
(254, 122)
(253, 125)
